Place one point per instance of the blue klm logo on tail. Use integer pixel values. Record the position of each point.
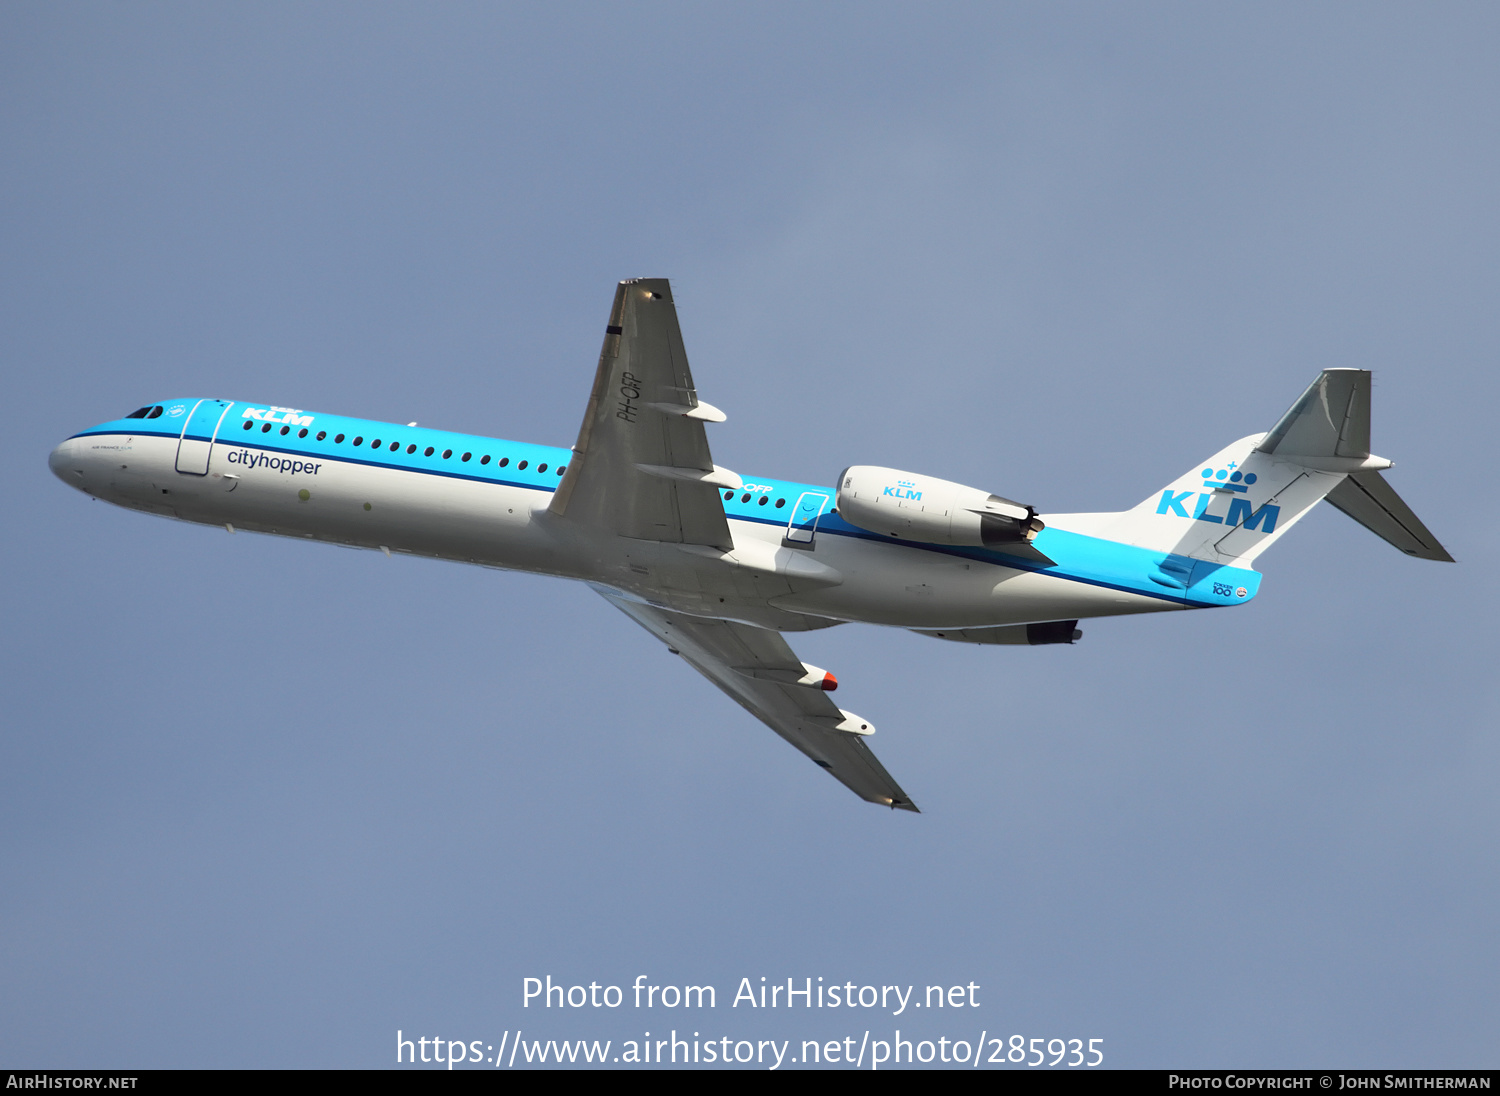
(1223, 481)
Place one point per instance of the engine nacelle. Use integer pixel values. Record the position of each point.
(932, 511)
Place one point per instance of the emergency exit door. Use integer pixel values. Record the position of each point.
(196, 444)
(804, 520)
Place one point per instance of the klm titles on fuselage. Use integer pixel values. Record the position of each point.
(288, 415)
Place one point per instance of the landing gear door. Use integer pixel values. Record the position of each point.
(805, 515)
(196, 443)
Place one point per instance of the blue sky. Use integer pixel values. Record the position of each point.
(263, 803)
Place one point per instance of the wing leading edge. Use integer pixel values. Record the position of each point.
(757, 668)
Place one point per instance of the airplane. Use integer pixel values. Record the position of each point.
(720, 566)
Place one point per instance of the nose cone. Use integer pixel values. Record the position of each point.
(65, 464)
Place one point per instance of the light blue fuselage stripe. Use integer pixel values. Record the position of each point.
(1083, 559)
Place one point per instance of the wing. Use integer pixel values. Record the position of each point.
(641, 467)
(757, 668)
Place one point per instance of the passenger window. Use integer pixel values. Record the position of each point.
(780, 503)
(302, 433)
(322, 434)
(503, 462)
(411, 449)
(541, 468)
(484, 459)
(522, 466)
(561, 468)
(427, 452)
(466, 456)
(447, 453)
(765, 499)
(285, 430)
(266, 429)
(374, 444)
(728, 495)
(395, 445)
(338, 439)
(357, 440)
(248, 424)
(745, 497)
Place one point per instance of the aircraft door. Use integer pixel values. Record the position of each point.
(204, 420)
(804, 521)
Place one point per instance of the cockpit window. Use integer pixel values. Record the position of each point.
(155, 412)
(141, 414)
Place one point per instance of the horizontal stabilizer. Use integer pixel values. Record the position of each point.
(1369, 500)
(1330, 419)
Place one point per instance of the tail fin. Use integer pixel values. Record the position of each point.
(1232, 507)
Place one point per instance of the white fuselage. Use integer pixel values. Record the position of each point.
(839, 575)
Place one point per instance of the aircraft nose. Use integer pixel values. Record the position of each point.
(65, 464)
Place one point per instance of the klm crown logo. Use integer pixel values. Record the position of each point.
(1226, 479)
(904, 489)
